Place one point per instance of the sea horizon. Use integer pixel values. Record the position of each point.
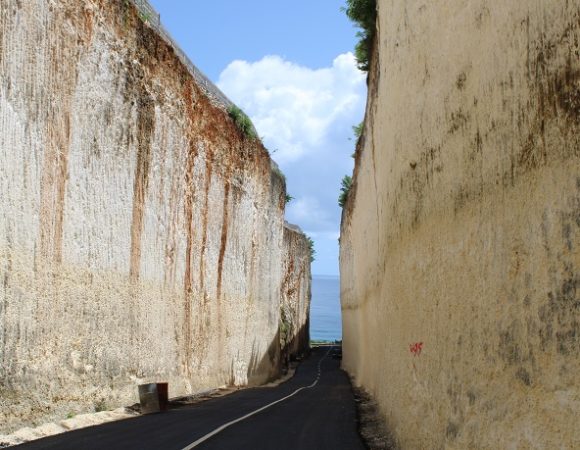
(325, 314)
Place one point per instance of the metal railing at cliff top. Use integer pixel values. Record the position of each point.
(153, 19)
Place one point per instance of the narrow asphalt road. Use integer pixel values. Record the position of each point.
(322, 416)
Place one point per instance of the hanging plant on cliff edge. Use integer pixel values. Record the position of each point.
(344, 190)
(364, 14)
(311, 248)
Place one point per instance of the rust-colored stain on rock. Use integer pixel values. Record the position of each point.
(145, 127)
(137, 221)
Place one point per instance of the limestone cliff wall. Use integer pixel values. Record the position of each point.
(141, 234)
(460, 244)
(295, 291)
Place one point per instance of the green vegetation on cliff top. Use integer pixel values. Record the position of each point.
(243, 122)
(364, 14)
(344, 190)
(311, 248)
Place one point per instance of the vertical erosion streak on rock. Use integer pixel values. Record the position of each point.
(145, 126)
(61, 78)
(295, 296)
(53, 186)
(171, 244)
(188, 282)
(224, 237)
(208, 175)
(187, 344)
(223, 245)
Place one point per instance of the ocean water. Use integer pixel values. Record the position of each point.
(325, 320)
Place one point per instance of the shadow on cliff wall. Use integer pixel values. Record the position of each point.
(274, 363)
(298, 344)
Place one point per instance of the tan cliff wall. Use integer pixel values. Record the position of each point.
(296, 293)
(460, 243)
(141, 234)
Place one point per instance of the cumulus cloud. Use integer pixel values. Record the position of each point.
(305, 117)
(294, 108)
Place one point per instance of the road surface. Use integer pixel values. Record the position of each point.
(316, 411)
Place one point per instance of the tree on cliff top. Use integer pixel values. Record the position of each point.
(364, 14)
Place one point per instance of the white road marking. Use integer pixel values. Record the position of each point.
(229, 424)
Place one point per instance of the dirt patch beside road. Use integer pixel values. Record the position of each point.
(371, 424)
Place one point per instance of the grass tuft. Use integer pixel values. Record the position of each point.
(243, 122)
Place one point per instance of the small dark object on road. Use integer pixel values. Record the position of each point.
(337, 353)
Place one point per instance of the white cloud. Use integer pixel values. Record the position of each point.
(295, 108)
(308, 213)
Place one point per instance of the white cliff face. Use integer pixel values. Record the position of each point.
(296, 293)
(460, 243)
(141, 234)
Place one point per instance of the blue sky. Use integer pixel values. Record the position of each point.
(289, 66)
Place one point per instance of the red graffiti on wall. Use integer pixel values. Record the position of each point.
(416, 348)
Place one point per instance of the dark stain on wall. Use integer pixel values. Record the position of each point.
(461, 80)
(564, 307)
(553, 77)
(559, 314)
(553, 106)
(458, 120)
(224, 236)
(145, 127)
(509, 348)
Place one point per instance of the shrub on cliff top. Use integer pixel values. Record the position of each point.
(311, 248)
(344, 190)
(242, 121)
(364, 14)
(358, 129)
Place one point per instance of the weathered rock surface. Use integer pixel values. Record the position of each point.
(141, 234)
(460, 244)
(295, 291)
